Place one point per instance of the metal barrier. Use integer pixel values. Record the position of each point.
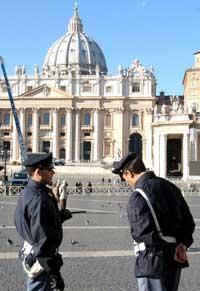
(188, 189)
(15, 190)
(73, 190)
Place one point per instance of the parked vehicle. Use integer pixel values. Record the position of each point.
(59, 162)
(19, 179)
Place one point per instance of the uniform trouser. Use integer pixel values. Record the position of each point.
(40, 283)
(167, 282)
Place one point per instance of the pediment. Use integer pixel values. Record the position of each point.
(46, 91)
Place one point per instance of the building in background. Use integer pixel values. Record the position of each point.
(77, 111)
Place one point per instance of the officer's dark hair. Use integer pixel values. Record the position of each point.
(136, 166)
(31, 170)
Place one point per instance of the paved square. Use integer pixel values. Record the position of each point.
(96, 247)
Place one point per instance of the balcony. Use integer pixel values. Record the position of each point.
(87, 127)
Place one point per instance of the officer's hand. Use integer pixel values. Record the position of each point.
(180, 253)
(57, 282)
(65, 214)
(30, 260)
(55, 192)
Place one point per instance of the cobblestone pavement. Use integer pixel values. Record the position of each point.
(101, 259)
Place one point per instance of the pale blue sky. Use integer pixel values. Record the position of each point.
(164, 34)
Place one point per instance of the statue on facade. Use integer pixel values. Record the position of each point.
(97, 70)
(57, 72)
(136, 63)
(155, 110)
(18, 71)
(46, 91)
(163, 109)
(186, 109)
(118, 154)
(151, 69)
(36, 69)
(23, 70)
(180, 109)
(175, 104)
(120, 70)
(46, 69)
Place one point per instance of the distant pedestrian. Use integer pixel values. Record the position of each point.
(89, 187)
(76, 186)
(63, 193)
(80, 187)
(109, 182)
(102, 180)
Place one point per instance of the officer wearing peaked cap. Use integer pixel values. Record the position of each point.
(39, 223)
(161, 226)
(39, 160)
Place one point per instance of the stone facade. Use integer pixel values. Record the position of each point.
(77, 111)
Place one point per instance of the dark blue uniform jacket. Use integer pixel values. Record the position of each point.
(37, 219)
(172, 213)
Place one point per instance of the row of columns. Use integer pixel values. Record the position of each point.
(160, 141)
(55, 135)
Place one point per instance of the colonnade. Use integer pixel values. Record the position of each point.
(72, 143)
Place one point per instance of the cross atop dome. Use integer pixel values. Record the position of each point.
(76, 6)
(75, 24)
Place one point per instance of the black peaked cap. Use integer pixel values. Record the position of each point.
(123, 162)
(39, 160)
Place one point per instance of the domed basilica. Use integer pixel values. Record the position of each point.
(81, 114)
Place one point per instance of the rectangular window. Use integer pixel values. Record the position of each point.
(29, 88)
(87, 119)
(87, 88)
(30, 121)
(108, 89)
(62, 134)
(29, 133)
(5, 133)
(136, 87)
(46, 118)
(86, 134)
(6, 119)
(62, 120)
(4, 89)
(63, 88)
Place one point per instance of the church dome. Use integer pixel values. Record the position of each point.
(75, 51)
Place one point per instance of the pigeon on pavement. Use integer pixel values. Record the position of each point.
(9, 242)
(73, 242)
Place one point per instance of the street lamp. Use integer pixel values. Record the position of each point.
(5, 155)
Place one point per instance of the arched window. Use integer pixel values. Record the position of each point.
(6, 119)
(46, 118)
(135, 119)
(29, 150)
(87, 118)
(108, 120)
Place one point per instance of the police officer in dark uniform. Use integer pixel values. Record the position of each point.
(161, 226)
(39, 223)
